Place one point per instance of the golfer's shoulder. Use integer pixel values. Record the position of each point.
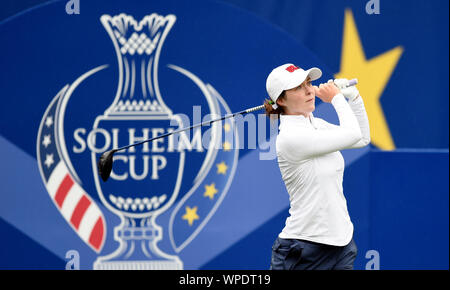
(293, 139)
(323, 124)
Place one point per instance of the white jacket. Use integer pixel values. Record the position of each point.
(312, 168)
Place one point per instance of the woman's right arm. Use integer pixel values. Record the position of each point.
(297, 145)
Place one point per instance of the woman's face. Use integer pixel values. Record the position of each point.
(299, 100)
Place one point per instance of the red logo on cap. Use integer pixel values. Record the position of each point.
(292, 68)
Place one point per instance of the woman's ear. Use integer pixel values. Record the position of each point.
(280, 102)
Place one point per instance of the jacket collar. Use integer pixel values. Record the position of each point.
(297, 120)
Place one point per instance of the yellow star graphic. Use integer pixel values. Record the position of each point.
(372, 75)
(226, 146)
(222, 168)
(190, 215)
(210, 190)
(226, 127)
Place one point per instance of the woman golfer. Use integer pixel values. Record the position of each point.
(318, 233)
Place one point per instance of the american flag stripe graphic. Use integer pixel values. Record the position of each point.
(55, 179)
(72, 199)
(75, 205)
(63, 189)
(79, 211)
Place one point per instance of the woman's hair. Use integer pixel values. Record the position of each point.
(270, 111)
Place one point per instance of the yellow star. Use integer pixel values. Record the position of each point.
(210, 190)
(372, 75)
(226, 146)
(226, 127)
(222, 168)
(190, 215)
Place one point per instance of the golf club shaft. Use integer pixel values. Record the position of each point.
(351, 82)
(257, 108)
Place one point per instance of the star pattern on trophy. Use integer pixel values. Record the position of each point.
(222, 168)
(210, 190)
(191, 215)
(49, 121)
(49, 160)
(226, 146)
(47, 141)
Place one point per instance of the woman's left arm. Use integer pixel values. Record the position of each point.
(357, 105)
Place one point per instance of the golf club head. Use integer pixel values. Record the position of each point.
(105, 164)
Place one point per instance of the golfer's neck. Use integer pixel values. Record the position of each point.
(306, 115)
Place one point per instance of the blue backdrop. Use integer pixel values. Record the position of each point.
(218, 209)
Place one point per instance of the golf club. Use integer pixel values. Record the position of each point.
(105, 161)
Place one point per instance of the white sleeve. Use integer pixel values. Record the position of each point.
(298, 145)
(357, 106)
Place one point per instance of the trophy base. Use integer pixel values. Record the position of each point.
(138, 265)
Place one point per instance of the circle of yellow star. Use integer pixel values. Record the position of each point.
(191, 215)
(226, 127)
(222, 168)
(211, 190)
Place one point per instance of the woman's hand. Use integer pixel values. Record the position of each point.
(350, 93)
(326, 92)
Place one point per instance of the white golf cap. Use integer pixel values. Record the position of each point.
(286, 77)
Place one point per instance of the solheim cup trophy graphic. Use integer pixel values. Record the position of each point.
(146, 179)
